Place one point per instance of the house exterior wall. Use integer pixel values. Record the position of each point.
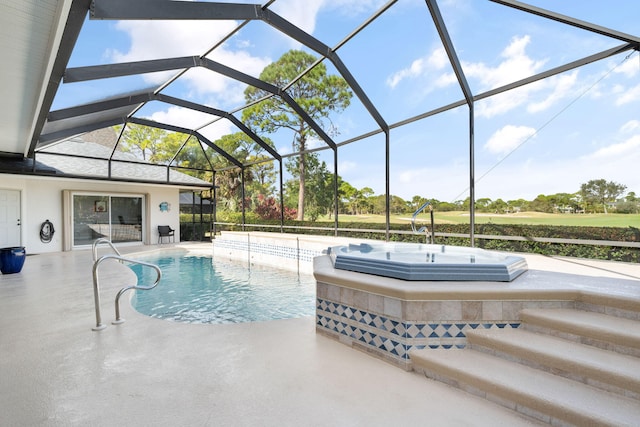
(43, 198)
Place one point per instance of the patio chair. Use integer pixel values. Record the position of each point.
(166, 231)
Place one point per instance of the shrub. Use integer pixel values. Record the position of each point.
(268, 208)
(604, 252)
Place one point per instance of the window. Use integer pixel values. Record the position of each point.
(118, 218)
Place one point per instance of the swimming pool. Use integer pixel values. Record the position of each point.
(198, 289)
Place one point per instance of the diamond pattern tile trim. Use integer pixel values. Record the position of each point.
(393, 337)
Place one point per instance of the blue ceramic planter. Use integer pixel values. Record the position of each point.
(12, 259)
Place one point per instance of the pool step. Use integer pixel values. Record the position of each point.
(546, 397)
(604, 369)
(596, 329)
(562, 366)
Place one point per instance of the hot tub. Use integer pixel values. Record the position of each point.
(410, 261)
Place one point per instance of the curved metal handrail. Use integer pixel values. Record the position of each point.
(97, 242)
(424, 228)
(142, 288)
(96, 285)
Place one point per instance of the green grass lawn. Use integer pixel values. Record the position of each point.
(586, 220)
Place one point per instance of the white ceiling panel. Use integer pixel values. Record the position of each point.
(28, 33)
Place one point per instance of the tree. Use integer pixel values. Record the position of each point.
(518, 205)
(601, 191)
(629, 205)
(186, 151)
(316, 92)
(498, 206)
(379, 204)
(541, 204)
(483, 204)
(416, 202)
(143, 141)
(397, 205)
(349, 195)
(446, 206)
(257, 180)
(319, 181)
(162, 147)
(364, 201)
(465, 205)
(631, 197)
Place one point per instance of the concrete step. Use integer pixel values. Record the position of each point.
(601, 330)
(602, 368)
(544, 396)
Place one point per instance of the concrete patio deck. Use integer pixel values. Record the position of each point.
(56, 371)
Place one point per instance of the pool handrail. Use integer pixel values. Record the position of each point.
(96, 285)
(424, 228)
(97, 242)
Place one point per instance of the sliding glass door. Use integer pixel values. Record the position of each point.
(118, 218)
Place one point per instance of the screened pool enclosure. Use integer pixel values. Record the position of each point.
(430, 82)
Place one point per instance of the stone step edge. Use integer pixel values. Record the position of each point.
(598, 326)
(532, 392)
(603, 368)
(615, 305)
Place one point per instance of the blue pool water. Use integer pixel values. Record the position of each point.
(198, 289)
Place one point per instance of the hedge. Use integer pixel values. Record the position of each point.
(603, 252)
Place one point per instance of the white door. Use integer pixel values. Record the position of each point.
(9, 218)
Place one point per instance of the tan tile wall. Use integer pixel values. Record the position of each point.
(389, 327)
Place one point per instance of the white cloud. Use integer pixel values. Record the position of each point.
(511, 181)
(315, 143)
(543, 174)
(445, 79)
(217, 130)
(503, 102)
(302, 14)
(629, 68)
(438, 59)
(285, 149)
(201, 81)
(630, 127)
(617, 151)
(563, 85)
(183, 117)
(445, 182)
(616, 162)
(415, 69)
(508, 138)
(629, 95)
(515, 66)
(228, 91)
(435, 61)
(168, 39)
(241, 60)
(346, 167)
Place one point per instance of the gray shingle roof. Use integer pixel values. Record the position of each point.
(94, 163)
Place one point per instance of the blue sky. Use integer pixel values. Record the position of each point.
(544, 138)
